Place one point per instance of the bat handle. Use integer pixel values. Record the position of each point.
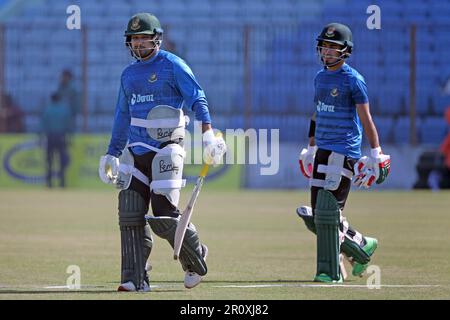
(204, 170)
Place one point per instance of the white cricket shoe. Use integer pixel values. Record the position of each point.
(191, 278)
(130, 287)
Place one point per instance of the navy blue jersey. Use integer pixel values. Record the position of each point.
(165, 79)
(337, 93)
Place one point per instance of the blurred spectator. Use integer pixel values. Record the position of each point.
(447, 87)
(11, 116)
(445, 149)
(70, 96)
(169, 44)
(56, 123)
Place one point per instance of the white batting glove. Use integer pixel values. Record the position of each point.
(213, 148)
(374, 168)
(364, 173)
(306, 160)
(108, 169)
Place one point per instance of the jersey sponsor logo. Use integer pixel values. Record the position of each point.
(322, 107)
(141, 99)
(153, 78)
(334, 93)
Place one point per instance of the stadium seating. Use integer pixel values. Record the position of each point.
(210, 35)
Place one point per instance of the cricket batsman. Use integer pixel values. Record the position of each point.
(333, 157)
(145, 156)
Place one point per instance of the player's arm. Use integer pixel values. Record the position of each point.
(206, 127)
(312, 130)
(195, 98)
(109, 163)
(369, 127)
(121, 125)
(193, 94)
(377, 166)
(306, 157)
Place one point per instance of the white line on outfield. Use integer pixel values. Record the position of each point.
(70, 288)
(327, 286)
(162, 286)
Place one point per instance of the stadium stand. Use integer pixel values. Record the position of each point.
(211, 35)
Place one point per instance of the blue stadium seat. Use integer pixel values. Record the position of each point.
(433, 130)
(401, 129)
(385, 126)
(441, 104)
(391, 101)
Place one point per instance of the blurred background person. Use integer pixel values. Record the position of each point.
(70, 96)
(11, 116)
(56, 123)
(445, 149)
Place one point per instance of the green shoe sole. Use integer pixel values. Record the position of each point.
(369, 248)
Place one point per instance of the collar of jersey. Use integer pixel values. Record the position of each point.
(343, 67)
(152, 59)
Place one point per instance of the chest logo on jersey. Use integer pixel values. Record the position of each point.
(334, 93)
(141, 99)
(153, 78)
(322, 107)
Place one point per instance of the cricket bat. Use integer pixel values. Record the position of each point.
(187, 213)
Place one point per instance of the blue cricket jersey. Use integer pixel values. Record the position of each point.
(338, 127)
(165, 79)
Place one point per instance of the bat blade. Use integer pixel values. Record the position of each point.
(185, 219)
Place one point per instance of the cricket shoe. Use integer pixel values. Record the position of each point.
(191, 278)
(323, 277)
(369, 248)
(130, 287)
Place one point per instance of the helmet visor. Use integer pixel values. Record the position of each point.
(143, 46)
(331, 54)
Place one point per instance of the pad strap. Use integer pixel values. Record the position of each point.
(335, 169)
(168, 184)
(128, 169)
(317, 183)
(157, 150)
(158, 123)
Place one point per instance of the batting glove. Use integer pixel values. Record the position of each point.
(214, 148)
(108, 169)
(306, 160)
(374, 168)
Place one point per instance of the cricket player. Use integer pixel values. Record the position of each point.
(333, 157)
(145, 154)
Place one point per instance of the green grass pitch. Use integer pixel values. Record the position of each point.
(258, 247)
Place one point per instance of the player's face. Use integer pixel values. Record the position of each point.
(143, 45)
(330, 52)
